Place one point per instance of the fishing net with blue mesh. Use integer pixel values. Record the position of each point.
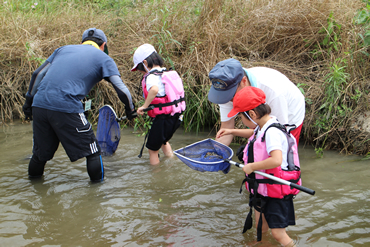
(206, 156)
(108, 132)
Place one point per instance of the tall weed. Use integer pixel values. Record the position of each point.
(200, 113)
(342, 96)
(331, 41)
(334, 107)
(363, 19)
(163, 39)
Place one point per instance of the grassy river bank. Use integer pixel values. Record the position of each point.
(321, 45)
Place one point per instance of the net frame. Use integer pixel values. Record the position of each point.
(108, 133)
(198, 163)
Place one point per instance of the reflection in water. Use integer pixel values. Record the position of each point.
(169, 204)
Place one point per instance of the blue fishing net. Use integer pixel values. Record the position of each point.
(206, 156)
(108, 132)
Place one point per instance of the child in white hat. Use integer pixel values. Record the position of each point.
(166, 119)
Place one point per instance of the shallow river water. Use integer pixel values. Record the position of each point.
(169, 204)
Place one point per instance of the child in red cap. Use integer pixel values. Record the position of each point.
(266, 151)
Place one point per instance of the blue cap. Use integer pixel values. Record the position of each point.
(97, 33)
(225, 78)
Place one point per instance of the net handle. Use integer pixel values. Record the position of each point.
(134, 114)
(282, 181)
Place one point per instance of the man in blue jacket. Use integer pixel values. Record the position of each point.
(54, 101)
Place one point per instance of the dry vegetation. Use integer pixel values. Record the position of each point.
(193, 36)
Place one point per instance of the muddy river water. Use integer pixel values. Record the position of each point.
(169, 204)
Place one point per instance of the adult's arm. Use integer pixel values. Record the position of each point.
(245, 133)
(37, 77)
(227, 139)
(226, 122)
(123, 93)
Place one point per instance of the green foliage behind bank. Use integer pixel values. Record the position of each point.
(322, 46)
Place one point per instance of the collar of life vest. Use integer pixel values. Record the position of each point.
(89, 42)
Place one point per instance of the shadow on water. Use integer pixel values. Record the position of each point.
(169, 204)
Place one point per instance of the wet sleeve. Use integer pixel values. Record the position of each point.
(37, 77)
(122, 91)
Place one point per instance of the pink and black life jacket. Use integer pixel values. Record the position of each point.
(262, 188)
(174, 100)
(256, 151)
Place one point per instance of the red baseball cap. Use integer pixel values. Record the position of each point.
(247, 99)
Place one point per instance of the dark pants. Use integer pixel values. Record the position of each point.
(74, 132)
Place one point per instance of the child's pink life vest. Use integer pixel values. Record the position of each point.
(260, 153)
(174, 100)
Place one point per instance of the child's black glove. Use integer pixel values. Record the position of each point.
(131, 115)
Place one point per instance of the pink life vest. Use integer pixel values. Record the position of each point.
(174, 100)
(266, 187)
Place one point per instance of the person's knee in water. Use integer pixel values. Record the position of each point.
(95, 167)
(36, 167)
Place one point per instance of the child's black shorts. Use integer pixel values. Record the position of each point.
(71, 129)
(279, 213)
(162, 130)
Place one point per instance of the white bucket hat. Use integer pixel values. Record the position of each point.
(141, 53)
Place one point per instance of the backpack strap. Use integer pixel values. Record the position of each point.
(290, 127)
(259, 225)
(252, 183)
(283, 128)
(175, 102)
(157, 72)
(286, 128)
(276, 125)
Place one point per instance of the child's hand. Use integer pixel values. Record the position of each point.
(247, 168)
(223, 132)
(140, 110)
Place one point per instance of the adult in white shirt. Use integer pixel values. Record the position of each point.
(283, 96)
